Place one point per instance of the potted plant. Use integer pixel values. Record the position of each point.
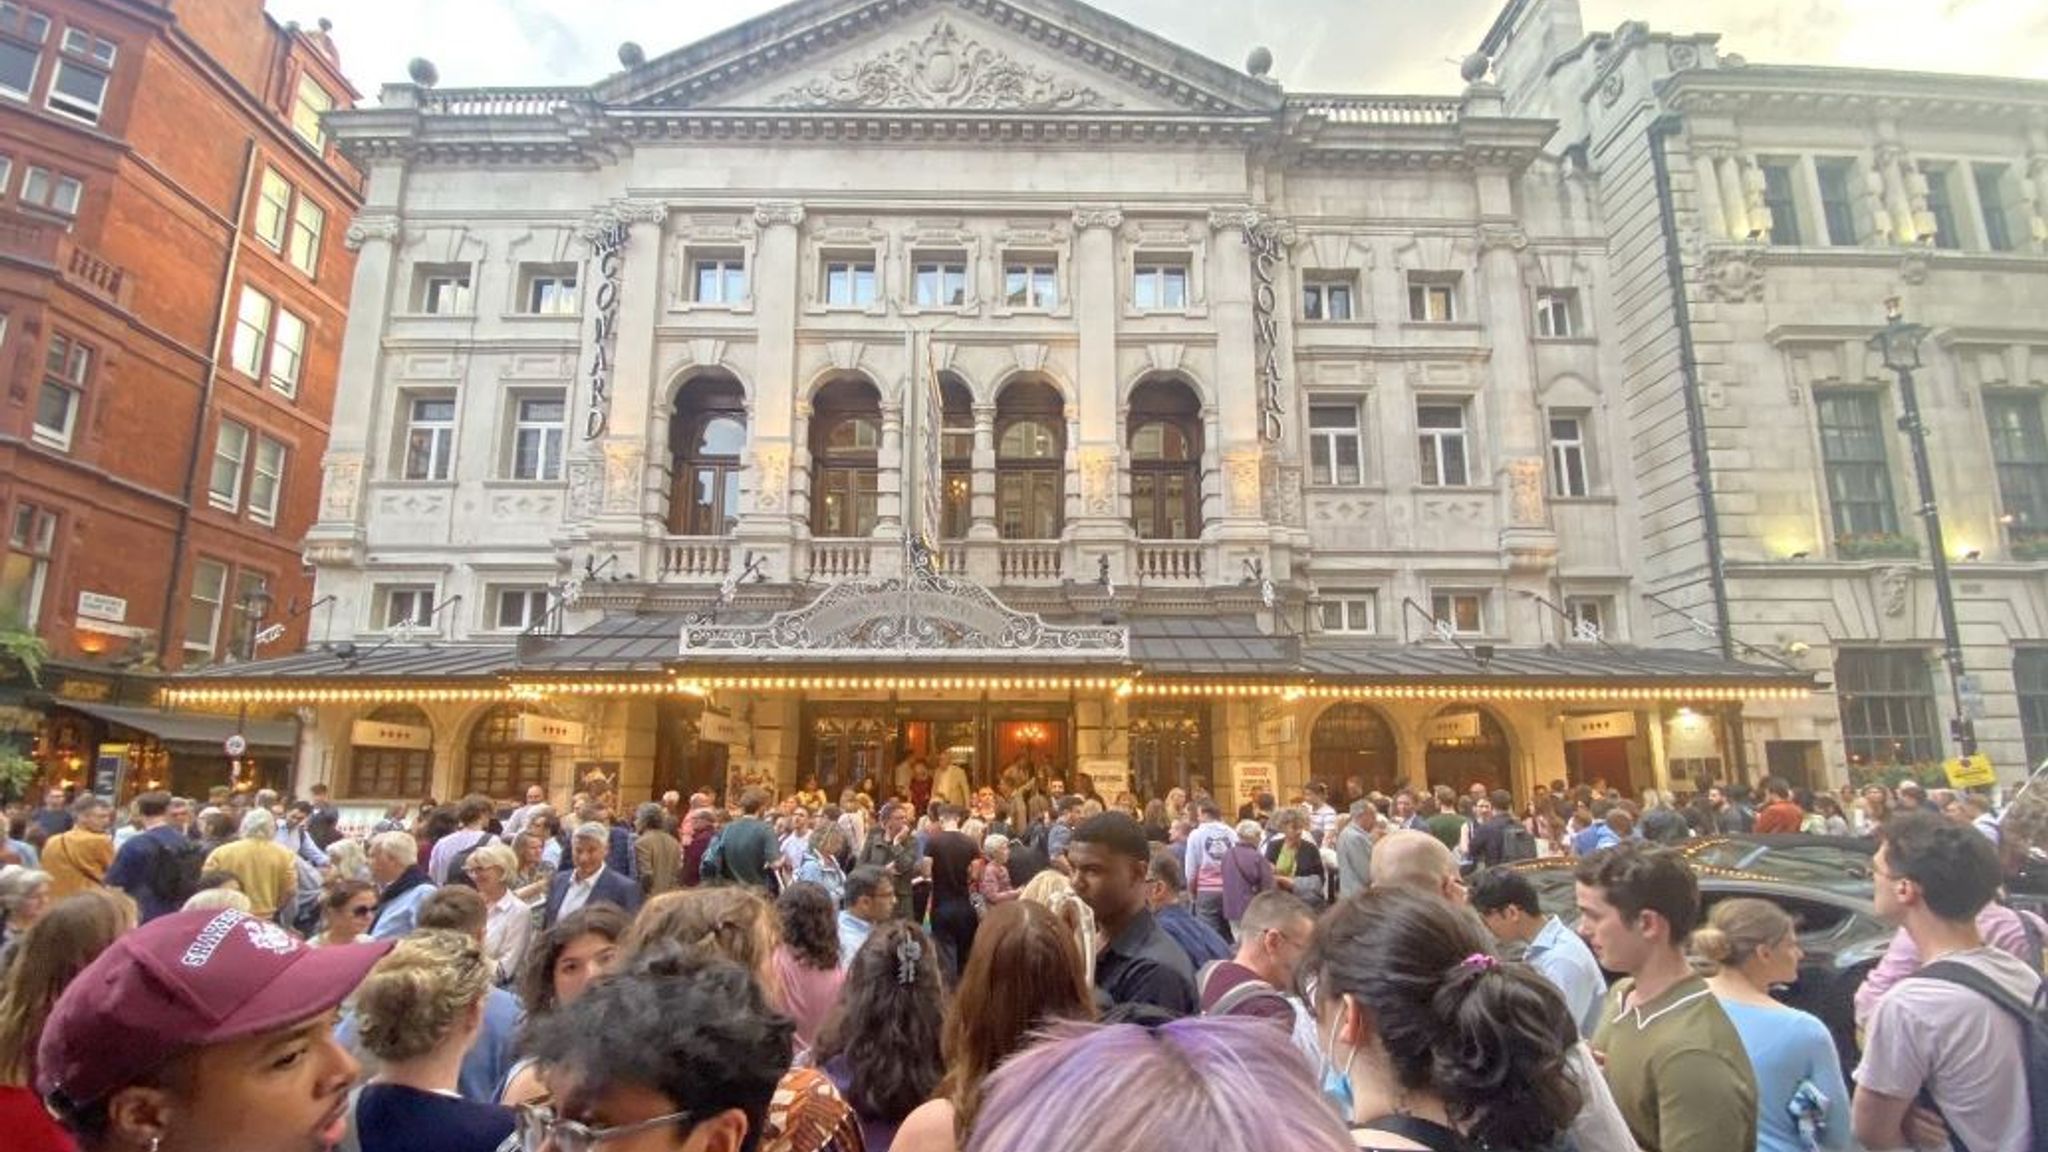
(1876, 546)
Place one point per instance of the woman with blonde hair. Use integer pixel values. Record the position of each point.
(1802, 1100)
(1054, 892)
(218, 900)
(739, 925)
(508, 928)
(347, 858)
(53, 952)
(24, 897)
(417, 1013)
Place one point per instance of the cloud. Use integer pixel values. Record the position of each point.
(1318, 45)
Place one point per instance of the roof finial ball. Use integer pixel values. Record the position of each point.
(1260, 62)
(1475, 67)
(423, 72)
(632, 55)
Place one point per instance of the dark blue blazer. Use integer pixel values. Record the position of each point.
(612, 888)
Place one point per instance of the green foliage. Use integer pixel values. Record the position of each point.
(24, 650)
(17, 772)
(1877, 546)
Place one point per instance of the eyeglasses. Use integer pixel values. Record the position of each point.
(538, 1129)
(362, 913)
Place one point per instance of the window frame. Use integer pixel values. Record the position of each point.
(280, 211)
(1942, 207)
(1480, 600)
(249, 345)
(1837, 210)
(193, 599)
(1577, 614)
(313, 235)
(529, 595)
(729, 269)
(316, 138)
(73, 379)
(1328, 440)
(32, 537)
(439, 437)
(1039, 288)
(1425, 288)
(388, 598)
(1552, 306)
(1988, 176)
(1033, 487)
(1432, 440)
(433, 280)
(1570, 457)
(1780, 194)
(1344, 601)
(539, 282)
(236, 462)
(264, 511)
(73, 107)
(285, 384)
(1839, 470)
(2030, 685)
(2023, 513)
(1907, 717)
(1322, 288)
(853, 270)
(35, 68)
(942, 268)
(549, 438)
(1159, 272)
(55, 182)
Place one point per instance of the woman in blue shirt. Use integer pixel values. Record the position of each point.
(1802, 1102)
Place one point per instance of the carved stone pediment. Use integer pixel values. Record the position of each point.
(945, 69)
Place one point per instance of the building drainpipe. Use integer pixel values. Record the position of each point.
(221, 314)
(1662, 129)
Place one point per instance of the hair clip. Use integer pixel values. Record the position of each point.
(908, 953)
(1479, 960)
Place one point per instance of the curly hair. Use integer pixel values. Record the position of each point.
(416, 997)
(537, 981)
(732, 922)
(886, 1028)
(809, 925)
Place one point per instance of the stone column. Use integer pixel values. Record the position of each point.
(1734, 198)
(1100, 529)
(982, 483)
(1898, 198)
(1707, 186)
(775, 512)
(1526, 539)
(336, 535)
(889, 486)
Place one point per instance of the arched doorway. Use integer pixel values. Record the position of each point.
(1031, 461)
(1166, 460)
(1353, 739)
(1466, 745)
(956, 456)
(391, 755)
(707, 435)
(497, 763)
(846, 444)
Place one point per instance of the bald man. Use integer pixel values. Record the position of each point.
(1418, 862)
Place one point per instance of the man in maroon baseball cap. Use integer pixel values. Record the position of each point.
(204, 1030)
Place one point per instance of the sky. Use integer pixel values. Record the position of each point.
(1383, 46)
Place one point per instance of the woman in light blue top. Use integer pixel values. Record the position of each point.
(1802, 1102)
(821, 862)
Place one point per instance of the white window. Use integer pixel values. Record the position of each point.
(429, 437)
(718, 278)
(1441, 431)
(1588, 616)
(202, 613)
(25, 570)
(537, 438)
(266, 480)
(6, 175)
(52, 190)
(1349, 612)
(1432, 298)
(79, 88)
(519, 609)
(65, 369)
(273, 205)
(18, 61)
(1160, 285)
(309, 220)
(244, 617)
(941, 281)
(407, 605)
(1336, 444)
(309, 104)
(1031, 282)
(1325, 297)
(442, 289)
(548, 289)
(287, 352)
(230, 454)
(1459, 613)
(1568, 475)
(850, 282)
(252, 332)
(1557, 312)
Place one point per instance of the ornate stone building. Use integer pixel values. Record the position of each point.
(1286, 427)
(1758, 217)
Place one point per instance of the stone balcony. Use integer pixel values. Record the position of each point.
(1183, 565)
(45, 242)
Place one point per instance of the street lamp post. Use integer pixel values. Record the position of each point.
(1898, 342)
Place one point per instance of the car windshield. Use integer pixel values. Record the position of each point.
(1842, 866)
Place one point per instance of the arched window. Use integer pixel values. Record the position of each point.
(956, 457)
(707, 436)
(1353, 740)
(396, 766)
(846, 439)
(498, 765)
(1031, 465)
(1166, 461)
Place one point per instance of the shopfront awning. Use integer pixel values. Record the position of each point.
(192, 727)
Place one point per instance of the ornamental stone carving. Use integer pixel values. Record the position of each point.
(1894, 584)
(769, 213)
(365, 228)
(1502, 235)
(342, 488)
(1097, 216)
(945, 70)
(1913, 268)
(586, 489)
(639, 211)
(622, 477)
(1610, 90)
(773, 462)
(1525, 491)
(1241, 483)
(1235, 219)
(1098, 481)
(1682, 56)
(1732, 274)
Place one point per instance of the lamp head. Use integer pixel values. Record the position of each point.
(1898, 342)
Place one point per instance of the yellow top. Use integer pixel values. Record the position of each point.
(266, 870)
(77, 861)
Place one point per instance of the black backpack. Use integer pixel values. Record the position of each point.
(1516, 843)
(457, 863)
(172, 875)
(2033, 1021)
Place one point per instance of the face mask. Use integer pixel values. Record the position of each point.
(1336, 1080)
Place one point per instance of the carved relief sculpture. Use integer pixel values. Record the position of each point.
(1098, 481)
(1241, 483)
(945, 70)
(342, 488)
(773, 461)
(769, 213)
(1732, 274)
(366, 228)
(1894, 584)
(1525, 492)
(585, 489)
(622, 477)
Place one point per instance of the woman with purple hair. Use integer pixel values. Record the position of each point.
(1142, 1090)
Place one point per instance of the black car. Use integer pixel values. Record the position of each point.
(1822, 882)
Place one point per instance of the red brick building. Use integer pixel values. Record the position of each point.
(173, 282)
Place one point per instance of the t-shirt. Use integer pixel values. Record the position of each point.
(1678, 1070)
(746, 851)
(395, 1118)
(1779, 816)
(1788, 1048)
(1951, 1041)
(1207, 845)
(1448, 827)
(952, 855)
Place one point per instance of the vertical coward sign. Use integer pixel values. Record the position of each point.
(1262, 238)
(606, 251)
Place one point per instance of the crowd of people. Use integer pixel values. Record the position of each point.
(1025, 968)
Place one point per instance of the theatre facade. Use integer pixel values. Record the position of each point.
(987, 380)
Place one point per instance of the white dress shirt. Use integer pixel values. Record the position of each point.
(508, 931)
(579, 893)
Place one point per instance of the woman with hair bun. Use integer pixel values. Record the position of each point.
(1801, 1100)
(417, 1013)
(1445, 1047)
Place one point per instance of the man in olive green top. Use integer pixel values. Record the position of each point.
(1677, 1067)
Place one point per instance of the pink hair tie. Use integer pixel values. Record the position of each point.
(1478, 960)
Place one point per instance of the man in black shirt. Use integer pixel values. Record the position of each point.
(1142, 964)
(950, 856)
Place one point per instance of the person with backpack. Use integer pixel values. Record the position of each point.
(159, 867)
(1506, 901)
(1964, 1040)
(1254, 983)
